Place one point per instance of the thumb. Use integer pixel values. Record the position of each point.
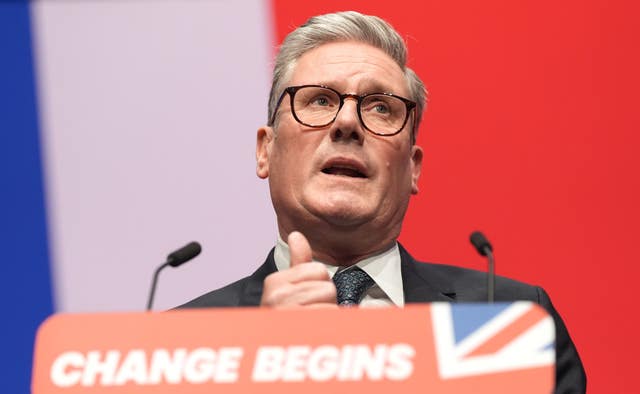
(299, 248)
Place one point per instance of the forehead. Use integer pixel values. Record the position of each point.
(350, 67)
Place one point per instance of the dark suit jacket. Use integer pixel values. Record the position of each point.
(425, 282)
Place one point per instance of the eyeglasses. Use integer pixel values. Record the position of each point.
(382, 114)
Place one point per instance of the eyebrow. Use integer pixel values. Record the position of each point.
(370, 86)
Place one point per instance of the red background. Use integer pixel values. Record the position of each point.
(530, 136)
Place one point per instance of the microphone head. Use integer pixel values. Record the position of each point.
(184, 254)
(480, 242)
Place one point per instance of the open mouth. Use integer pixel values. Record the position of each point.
(343, 171)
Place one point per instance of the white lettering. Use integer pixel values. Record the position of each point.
(400, 365)
(268, 364)
(113, 368)
(132, 369)
(105, 368)
(370, 362)
(228, 364)
(200, 365)
(346, 362)
(295, 363)
(323, 363)
(163, 365)
(62, 374)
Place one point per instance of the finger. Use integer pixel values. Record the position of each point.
(304, 293)
(306, 272)
(323, 305)
(300, 273)
(299, 248)
(313, 292)
(318, 305)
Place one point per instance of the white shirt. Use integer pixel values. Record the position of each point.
(383, 268)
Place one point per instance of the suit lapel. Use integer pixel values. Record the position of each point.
(252, 292)
(421, 283)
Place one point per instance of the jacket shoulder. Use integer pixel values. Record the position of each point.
(244, 292)
(470, 285)
(228, 296)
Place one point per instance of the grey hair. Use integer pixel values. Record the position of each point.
(344, 26)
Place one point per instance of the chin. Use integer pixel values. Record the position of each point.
(344, 219)
(343, 213)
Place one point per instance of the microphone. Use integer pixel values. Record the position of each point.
(174, 259)
(482, 245)
(184, 254)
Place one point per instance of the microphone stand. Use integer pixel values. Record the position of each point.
(154, 282)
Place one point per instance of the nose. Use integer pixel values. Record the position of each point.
(347, 125)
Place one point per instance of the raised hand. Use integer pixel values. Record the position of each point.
(304, 284)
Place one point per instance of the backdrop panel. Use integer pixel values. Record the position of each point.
(149, 145)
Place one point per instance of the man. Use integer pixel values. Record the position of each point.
(340, 155)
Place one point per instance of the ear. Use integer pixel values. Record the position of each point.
(416, 167)
(264, 138)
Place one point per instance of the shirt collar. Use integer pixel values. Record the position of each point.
(383, 268)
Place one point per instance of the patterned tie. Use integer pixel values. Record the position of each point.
(351, 285)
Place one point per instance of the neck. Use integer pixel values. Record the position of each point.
(343, 247)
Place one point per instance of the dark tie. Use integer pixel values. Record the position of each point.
(351, 285)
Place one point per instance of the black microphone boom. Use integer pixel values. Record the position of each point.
(184, 254)
(174, 259)
(482, 245)
(480, 242)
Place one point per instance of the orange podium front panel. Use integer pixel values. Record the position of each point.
(435, 348)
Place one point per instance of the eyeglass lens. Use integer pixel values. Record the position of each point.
(380, 113)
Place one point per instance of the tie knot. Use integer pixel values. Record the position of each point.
(351, 284)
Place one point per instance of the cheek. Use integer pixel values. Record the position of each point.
(290, 160)
(399, 172)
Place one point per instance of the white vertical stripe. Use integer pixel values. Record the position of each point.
(149, 111)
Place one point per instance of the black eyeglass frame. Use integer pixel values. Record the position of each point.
(292, 90)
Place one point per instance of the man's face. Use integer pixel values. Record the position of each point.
(340, 177)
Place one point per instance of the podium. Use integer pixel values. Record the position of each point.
(435, 348)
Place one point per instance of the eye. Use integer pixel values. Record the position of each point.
(381, 108)
(321, 101)
(377, 107)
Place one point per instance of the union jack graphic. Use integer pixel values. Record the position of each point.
(478, 339)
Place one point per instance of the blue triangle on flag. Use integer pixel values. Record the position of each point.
(469, 317)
